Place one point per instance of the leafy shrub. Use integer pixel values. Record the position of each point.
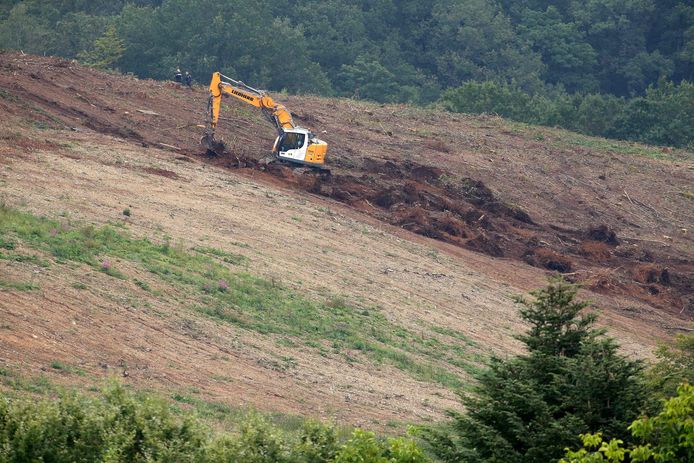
(114, 427)
(317, 443)
(119, 426)
(364, 447)
(664, 116)
(665, 438)
(675, 366)
(258, 442)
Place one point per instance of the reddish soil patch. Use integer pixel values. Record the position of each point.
(595, 250)
(161, 172)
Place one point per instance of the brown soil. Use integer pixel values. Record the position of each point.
(455, 179)
(619, 223)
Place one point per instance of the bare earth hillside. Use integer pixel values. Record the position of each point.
(428, 224)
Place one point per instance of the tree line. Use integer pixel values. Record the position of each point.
(383, 50)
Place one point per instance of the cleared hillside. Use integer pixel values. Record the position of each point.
(429, 223)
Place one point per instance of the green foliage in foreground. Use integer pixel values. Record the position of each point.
(528, 409)
(663, 116)
(665, 438)
(118, 426)
(222, 292)
(675, 366)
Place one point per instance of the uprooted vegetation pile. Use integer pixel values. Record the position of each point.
(614, 216)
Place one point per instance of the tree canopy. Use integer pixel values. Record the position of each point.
(408, 51)
(609, 46)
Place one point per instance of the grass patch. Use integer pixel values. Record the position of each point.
(260, 306)
(5, 95)
(142, 284)
(35, 384)
(110, 271)
(18, 286)
(562, 138)
(62, 366)
(31, 259)
(47, 115)
(607, 145)
(7, 244)
(285, 342)
(228, 257)
(244, 300)
(230, 416)
(455, 334)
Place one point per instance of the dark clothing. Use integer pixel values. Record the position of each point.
(178, 77)
(189, 80)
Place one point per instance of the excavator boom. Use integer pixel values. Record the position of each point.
(276, 113)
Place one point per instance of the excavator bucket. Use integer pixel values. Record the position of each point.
(214, 147)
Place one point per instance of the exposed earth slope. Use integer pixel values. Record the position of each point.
(429, 223)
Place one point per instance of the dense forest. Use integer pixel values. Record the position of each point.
(626, 57)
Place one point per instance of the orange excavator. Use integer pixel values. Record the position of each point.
(293, 144)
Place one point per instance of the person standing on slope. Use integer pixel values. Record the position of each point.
(178, 77)
(189, 80)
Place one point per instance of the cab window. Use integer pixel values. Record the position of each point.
(292, 141)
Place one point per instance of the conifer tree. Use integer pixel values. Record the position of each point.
(107, 50)
(529, 408)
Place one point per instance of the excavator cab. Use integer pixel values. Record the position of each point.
(298, 145)
(291, 141)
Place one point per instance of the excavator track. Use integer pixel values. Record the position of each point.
(298, 169)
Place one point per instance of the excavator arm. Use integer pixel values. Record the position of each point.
(276, 113)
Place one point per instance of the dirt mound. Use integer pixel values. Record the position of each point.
(457, 180)
(549, 259)
(597, 251)
(650, 273)
(603, 234)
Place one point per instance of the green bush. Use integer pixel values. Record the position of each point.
(665, 438)
(317, 443)
(119, 426)
(114, 427)
(675, 366)
(364, 447)
(663, 117)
